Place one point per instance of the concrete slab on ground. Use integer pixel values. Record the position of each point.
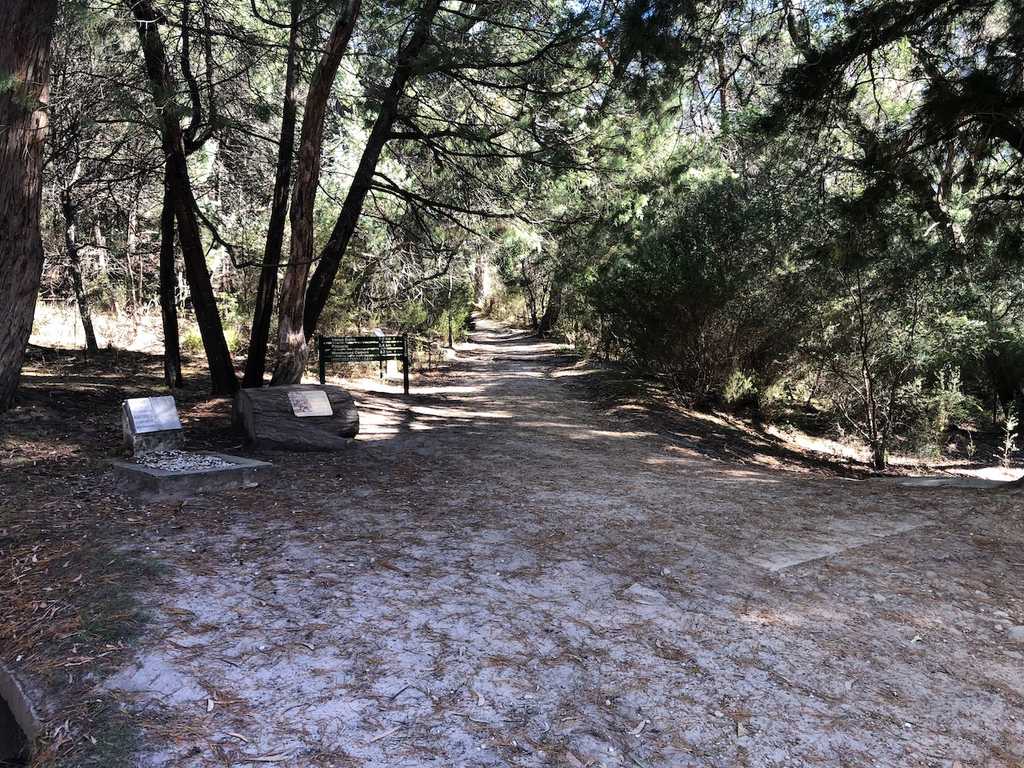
(954, 482)
(162, 484)
(834, 538)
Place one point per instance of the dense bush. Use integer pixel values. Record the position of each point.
(708, 291)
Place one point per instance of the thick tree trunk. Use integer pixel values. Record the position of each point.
(70, 214)
(204, 302)
(292, 350)
(294, 347)
(256, 363)
(168, 291)
(553, 309)
(24, 75)
(224, 381)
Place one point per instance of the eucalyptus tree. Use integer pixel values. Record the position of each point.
(96, 161)
(307, 178)
(472, 85)
(24, 77)
(177, 142)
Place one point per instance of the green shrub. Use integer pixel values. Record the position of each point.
(704, 293)
(739, 389)
(934, 409)
(192, 341)
(237, 339)
(507, 305)
(774, 398)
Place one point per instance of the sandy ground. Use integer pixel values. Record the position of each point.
(497, 574)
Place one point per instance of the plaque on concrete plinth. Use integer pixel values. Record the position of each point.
(310, 403)
(151, 424)
(152, 414)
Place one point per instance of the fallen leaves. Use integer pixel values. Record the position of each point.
(639, 728)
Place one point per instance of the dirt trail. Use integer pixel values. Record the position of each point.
(498, 575)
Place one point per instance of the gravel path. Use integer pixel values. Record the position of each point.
(498, 575)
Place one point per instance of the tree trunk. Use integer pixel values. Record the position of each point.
(168, 291)
(292, 350)
(531, 298)
(723, 90)
(24, 68)
(223, 379)
(330, 258)
(131, 246)
(878, 457)
(256, 363)
(553, 309)
(70, 213)
(204, 302)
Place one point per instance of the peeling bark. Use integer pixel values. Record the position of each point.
(256, 362)
(197, 274)
(25, 66)
(292, 351)
(69, 211)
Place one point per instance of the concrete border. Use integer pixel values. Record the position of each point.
(13, 693)
(161, 484)
(957, 481)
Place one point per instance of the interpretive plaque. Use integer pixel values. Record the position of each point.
(152, 414)
(151, 424)
(310, 403)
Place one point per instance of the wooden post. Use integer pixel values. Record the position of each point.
(405, 363)
(323, 361)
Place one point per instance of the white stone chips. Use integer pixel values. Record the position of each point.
(181, 461)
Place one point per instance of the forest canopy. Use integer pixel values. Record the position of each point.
(774, 206)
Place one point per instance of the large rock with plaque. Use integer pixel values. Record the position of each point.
(300, 417)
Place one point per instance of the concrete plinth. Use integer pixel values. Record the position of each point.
(19, 722)
(161, 484)
(150, 442)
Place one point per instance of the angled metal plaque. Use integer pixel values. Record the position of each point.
(312, 402)
(152, 414)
